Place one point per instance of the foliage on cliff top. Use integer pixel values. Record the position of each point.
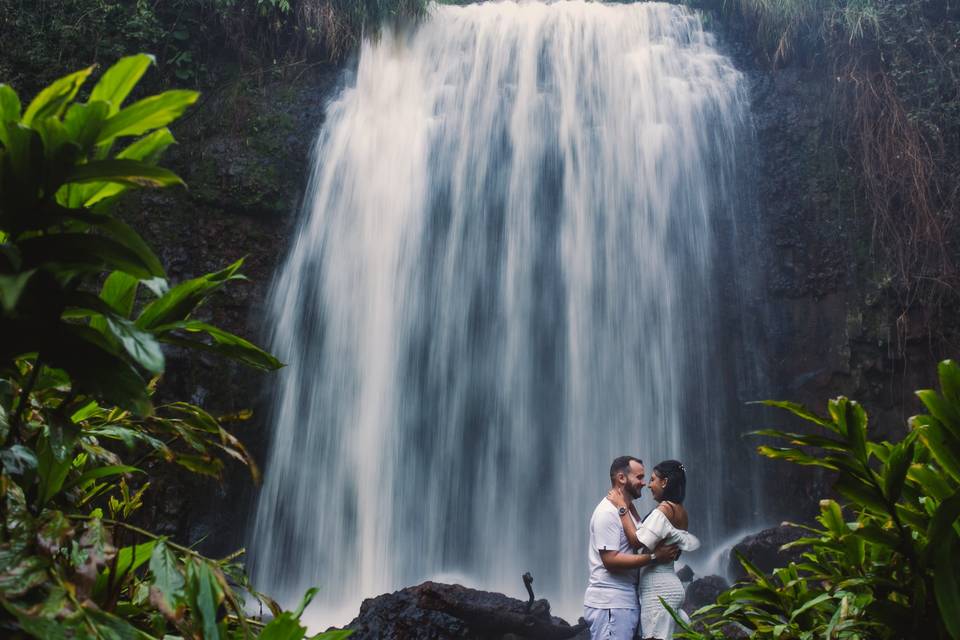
(884, 563)
(190, 38)
(84, 309)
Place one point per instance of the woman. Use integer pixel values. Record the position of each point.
(668, 524)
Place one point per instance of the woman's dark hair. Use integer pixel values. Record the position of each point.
(673, 472)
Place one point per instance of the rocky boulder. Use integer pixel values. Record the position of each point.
(763, 550)
(435, 611)
(703, 591)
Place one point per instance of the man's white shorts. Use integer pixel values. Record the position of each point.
(612, 624)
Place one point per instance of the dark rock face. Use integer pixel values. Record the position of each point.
(703, 591)
(828, 322)
(763, 550)
(435, 611)
(244, 152)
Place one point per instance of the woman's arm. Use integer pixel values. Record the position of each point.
(626, 520)
(675, 529)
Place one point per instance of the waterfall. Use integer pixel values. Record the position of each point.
(516, 260)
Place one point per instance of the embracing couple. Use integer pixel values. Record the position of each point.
(631, 558)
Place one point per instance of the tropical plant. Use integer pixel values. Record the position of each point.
(884, 563)
(84, 309)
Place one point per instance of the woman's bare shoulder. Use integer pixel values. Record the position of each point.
(675, 513)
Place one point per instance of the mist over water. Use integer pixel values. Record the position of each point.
(512, 266)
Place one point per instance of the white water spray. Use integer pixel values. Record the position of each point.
(507, 273)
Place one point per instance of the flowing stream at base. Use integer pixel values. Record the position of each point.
(517, 259)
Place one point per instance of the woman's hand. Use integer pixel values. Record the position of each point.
(666, 552)
(616, 497)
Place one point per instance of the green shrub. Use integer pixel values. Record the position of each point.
(84, 309)
(883, 564)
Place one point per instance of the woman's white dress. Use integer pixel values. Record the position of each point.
(660, 580)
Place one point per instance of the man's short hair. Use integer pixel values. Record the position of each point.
(622, 465)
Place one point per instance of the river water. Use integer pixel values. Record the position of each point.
(518, 258)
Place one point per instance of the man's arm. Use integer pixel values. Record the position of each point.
(616, 561)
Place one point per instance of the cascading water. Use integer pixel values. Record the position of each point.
(512, 267)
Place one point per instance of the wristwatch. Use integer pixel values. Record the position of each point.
(653, 557)
(622, 511)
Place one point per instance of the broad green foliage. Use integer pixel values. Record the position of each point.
(85, 308)
(884, 563)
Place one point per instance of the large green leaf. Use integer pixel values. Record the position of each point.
(38, 626)
(24, 152)
(876, 535)
(283, 627)
(130, 436)
(180, 301)
(802, 439)
(140, 345)
(119, 80)
(831, 517)
(224, 343)
(120, 291)
(205, 597)
(204, 465)
(96, 370)
(949, 373)
(101, 472)
(52, 471)
(147, 149)
(54, 136)
(809, 604)
(11, 287)
(110, 627)
(124, 233)
(51, 101)
(945, 412)
(166, 574)
(800, 411)
(941, 443)
(287, 626)
(852, 420)
(946, 580)
(150, 147)
(930, 480)
(83, 252)
(941, 528)
(9, 104)
(865, 496)
(83, 121)
(148, 114)
(795, 456)
(124, 171)
(128, 559)
(895, 470)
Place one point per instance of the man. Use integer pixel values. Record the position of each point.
(611, 606)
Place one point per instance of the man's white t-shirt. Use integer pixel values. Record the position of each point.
(606, 589)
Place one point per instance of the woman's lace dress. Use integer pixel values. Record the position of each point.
(659, 580)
